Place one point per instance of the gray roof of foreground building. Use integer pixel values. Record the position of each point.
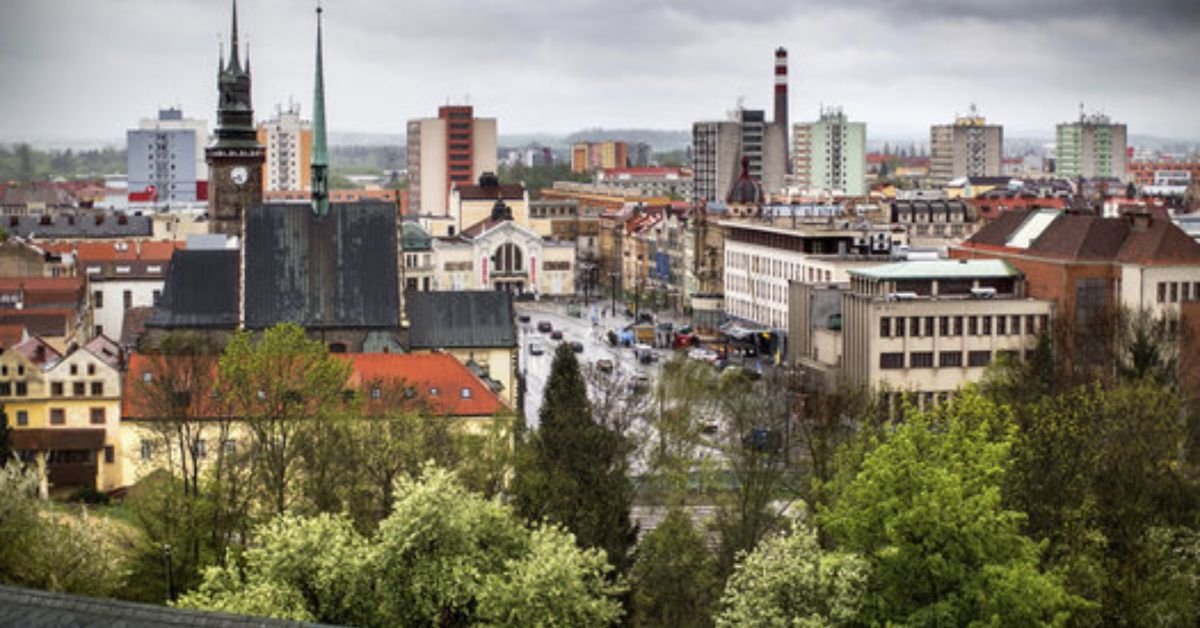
(31, 608)
(201, 291)
(79, 225)
(332, 271)
(457, 319)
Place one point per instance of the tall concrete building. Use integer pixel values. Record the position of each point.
(831, 154)
(455, 147)
(968, 148)
(1093, 147)
(288, 140)
(718, 148)
(167, 153)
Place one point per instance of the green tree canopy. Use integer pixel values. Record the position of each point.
(674, 578)
(790, 581)
(444, 557)
(925, 512)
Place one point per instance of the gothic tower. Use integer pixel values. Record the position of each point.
(235, 161)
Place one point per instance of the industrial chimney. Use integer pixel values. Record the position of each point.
(781, 102)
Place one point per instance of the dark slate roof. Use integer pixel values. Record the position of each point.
(321, 272)
(201, 291)
(480, 318)
(81, 224)
(30, 608)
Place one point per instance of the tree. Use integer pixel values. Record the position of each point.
(925, 512)
(789, 580)
(573, 470)
(286, 389)
(674, 577)
(6, 452)
(72, 553)
(444, 557)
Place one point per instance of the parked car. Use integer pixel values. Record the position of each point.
(545, 327)
(523, 318)
(604, 365)
(576, 346)
(556, 334)
(536, 348)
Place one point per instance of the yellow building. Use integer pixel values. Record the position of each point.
(65, 412)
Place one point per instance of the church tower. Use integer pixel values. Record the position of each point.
(235, 161)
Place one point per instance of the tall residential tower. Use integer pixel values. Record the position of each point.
(830, 154)
(455, 147)
(1093, 147)
(968, 148)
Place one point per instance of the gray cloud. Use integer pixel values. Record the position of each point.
(90, 70)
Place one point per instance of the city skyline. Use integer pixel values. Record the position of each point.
(550, 68)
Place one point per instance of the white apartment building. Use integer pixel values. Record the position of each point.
(166, 153)
(761, 259)
(116, 287)
(288, 140)
(830, 154)
(453, 148)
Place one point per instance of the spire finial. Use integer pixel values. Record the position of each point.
(234, 62)
(320, 153)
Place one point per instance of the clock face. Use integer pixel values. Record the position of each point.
(239, 175)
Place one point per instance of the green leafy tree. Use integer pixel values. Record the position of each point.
(925, 511)
(288, 390)
(574, 470)
(41, 549)
(674, 577)
(444, 557)
(789, 580)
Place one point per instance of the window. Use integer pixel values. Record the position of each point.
(78, 389)
(97, 389)
(201, 448)
(958, 325)
(22, 417)
(921, 360)
(1001, 325)
(22, 389)
(376, 393)
(979, 358)
(1162, 292)
(74, 369)
(1030, 328)
(56, 389)
(110, 455)
(950, 358)
(97, 416)
(891, 360)
(914, 326)
(885, 327)
(433, 391)
(465, 393)
(972, 325)
(97, 299)
(91, 369)
(944, 325)
(58, 416)
(230, 446)
(899, 326)
(1174, 292)
(1016, 324)
(128, 298)
(5, 389)
(147, 450)
(929, 326)
(986, 328)
(1044, 322)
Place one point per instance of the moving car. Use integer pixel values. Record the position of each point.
(576, 346)
(556, 334)
(523, 318)
(544, 326)
(536, 348)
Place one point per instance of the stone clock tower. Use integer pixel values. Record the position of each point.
(235, 161)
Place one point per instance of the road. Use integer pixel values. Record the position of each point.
(595, 347)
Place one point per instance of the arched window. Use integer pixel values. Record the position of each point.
(508, 258)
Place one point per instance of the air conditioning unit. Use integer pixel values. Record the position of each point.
(983, 293)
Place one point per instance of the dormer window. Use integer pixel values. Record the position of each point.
(466, 393)
(147, 377)
(376, 393)
(433, 391)
(155, 269)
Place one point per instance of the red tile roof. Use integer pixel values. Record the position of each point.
(41, 284)
(440, 372)
(125, 250)
(11, 334)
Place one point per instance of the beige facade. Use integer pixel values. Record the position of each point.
(288, 140)
(429, 144)
(968, 148)
(928, 328)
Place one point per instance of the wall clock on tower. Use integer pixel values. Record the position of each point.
(238, 175)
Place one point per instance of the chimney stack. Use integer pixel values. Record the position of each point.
(781, 102)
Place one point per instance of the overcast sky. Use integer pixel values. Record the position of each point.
(73, 69)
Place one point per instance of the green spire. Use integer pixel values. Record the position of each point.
(320, 153)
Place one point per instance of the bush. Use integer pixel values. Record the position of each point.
(89, 495)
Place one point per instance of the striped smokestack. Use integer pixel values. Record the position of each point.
(781, 101)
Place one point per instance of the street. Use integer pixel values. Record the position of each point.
(536, 368)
